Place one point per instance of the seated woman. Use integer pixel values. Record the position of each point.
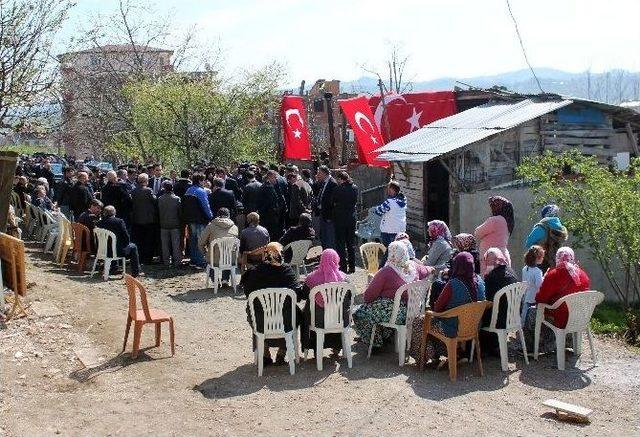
(272, 273)
(498, 275)
(327, 271)
(464, 286)
(559, 281)
(404, 238)
(304, 231)
(440, 250)
(461, 243)
(378, 298)
(41, 200)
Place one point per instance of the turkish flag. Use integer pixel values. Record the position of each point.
(294, 128)
(368, 138)
(408, 112)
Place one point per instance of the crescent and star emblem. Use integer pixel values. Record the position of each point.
(287, 114)
(359, 117)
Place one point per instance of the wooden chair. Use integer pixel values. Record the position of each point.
(250, 258)
(140, 317)
(81, 244)
(469, 317)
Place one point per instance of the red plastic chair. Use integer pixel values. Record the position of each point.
(142, 316)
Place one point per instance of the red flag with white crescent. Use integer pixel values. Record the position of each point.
(295, 131)
(368, 138)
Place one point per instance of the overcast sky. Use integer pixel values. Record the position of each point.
(334, 38)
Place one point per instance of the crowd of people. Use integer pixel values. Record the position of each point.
(174, 218)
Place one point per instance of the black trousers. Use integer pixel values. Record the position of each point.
(145, 237)
(345, 232)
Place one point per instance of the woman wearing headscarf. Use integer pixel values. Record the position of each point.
(328, 271)
(463, 287)
(498, 275)
(404, 238)
(565, 278)
(378, 297)
(461, 243)
(495, 230)
(549, 233)
(440, 250)
(272, 272)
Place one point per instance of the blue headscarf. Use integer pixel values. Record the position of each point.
(551, 210)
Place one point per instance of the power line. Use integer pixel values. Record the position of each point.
(524, 52)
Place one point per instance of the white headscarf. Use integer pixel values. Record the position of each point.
(565, 258)
(398, 259)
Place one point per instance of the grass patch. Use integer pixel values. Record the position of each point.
(25, 149)
(611, 318)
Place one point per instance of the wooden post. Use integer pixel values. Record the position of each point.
(8, 163)
(333, 151)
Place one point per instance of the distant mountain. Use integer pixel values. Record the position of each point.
(613, 86)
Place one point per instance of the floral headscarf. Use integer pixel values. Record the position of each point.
(493, 258)
(464, 242)
(404, 238)
(501, 206)
(566, 259)
(273, 254)
(327, 271)
(439, 229)
(398, 259)
(550, 211)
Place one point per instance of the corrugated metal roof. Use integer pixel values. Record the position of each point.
(475, 124)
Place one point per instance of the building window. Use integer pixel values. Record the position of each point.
(318, 105)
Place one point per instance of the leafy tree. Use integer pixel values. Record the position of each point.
(601, 208)
(184, 118)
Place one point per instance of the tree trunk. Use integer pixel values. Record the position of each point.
(8, 162)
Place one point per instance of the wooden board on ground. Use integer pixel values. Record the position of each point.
(88, 356)
(569, 412)
(45, 309)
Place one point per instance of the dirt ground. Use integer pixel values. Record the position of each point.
(211, 387)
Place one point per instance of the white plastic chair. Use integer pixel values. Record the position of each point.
(333, 296)
(418, 293)
(50, 231)
(272, 301)
(106, 239)
(228, 252)
(299, 250)
(32, 220)
(580, 306)
(513, 322)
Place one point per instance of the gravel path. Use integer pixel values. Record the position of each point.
(211, 387)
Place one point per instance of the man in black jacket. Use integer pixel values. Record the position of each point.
(345, 198)
(115, 193)
(80, 196)
(324, 206)
(124, 246)
(250, 193)
(271, 206)
(220, 197)
(182, 184)
(63, 193)
(230, 184)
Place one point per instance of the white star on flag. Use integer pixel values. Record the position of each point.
(374, 139)
(297, 133)
(414, 120)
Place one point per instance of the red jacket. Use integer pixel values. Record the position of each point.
(556, 284)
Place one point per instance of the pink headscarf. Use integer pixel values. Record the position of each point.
(327, 271)
(493, 258)
(565, 258)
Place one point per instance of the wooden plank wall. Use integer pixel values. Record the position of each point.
(411, 181)
(13, 266)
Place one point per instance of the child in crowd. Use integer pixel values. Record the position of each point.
(532, 275)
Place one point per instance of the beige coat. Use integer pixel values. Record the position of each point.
(217, 228)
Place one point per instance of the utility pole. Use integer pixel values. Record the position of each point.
(333, 152)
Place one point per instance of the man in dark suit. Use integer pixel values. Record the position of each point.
(156, 180)
(144, 219)
(124, 247)
(270, 206)
(220, 197)
(115, 193)
(324, 206)
(250, 193)
(345, 198)
(80, 195)
(230, 184)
